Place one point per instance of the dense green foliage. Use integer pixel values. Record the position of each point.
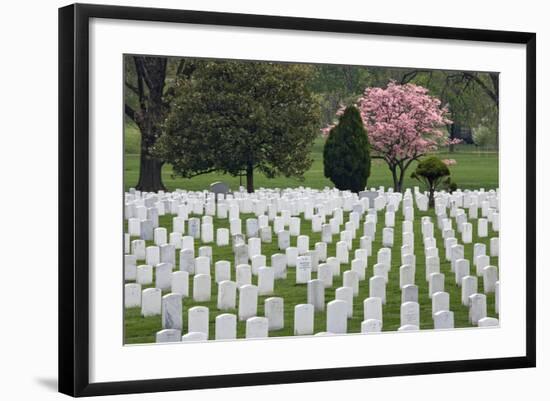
(431, 169)
(346, 156)
(237, 118)
(472, 98)
(432, 172)
(337, 85)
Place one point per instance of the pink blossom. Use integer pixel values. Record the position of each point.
(403, 121)
(325, 131)
(449, 162)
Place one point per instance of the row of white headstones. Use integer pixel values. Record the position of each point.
(282, 210)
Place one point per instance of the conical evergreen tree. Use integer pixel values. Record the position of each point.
(346, 156)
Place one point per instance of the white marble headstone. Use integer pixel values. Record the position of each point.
(226, 327)
(377, 288)
(198, 320)
(202, 287)
(180, 283)
(248, 301)
(257, 327)
(303, 319)
(172, 309)
(469, 287)
(490, 277)
(436, 283)
(444, 320)
(227, 295)
(478, 308)
(345, 294)
(316, 294)
(132, 295)
(151, 302)
(274, 312)
(371, 326)
(440, 302)
(410, 314)
(351, 279)
(303, 269)
(337, 317)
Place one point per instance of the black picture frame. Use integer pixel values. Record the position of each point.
(74, 198)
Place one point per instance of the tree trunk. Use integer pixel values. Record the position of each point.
(431, 200)
(150, 174)
(250, 179)
(400, 181)
(452, 134)
(398, 186)
(149, 88)
(393, 170)
(150, 167)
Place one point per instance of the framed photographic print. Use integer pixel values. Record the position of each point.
(249, 199)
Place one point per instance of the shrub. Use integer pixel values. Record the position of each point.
(346, 156)
(484, 136)
(449, 185)
(432, 172)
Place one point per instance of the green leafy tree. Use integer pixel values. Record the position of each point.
(346, 155)
(471, 97)
(146, 104)
(484, 136)
(242, 117)
(337, 85)
(148, 94)
(432, 172)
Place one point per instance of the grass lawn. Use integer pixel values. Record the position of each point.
(140, 330)
(474, 170)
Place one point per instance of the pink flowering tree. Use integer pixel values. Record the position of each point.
(403, 123)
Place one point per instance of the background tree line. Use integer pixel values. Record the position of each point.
(155, 85)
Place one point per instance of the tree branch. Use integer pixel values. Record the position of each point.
(200, 173)
(131, 113)
(131, 87)
(409, 76)
(141, 92)
(483, 86)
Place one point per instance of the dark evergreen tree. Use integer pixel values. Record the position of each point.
(346, 156)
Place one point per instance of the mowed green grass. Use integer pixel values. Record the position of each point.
(474, 170)
(141, 330)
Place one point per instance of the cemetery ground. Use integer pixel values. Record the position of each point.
(140, 329)
(474, 169)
